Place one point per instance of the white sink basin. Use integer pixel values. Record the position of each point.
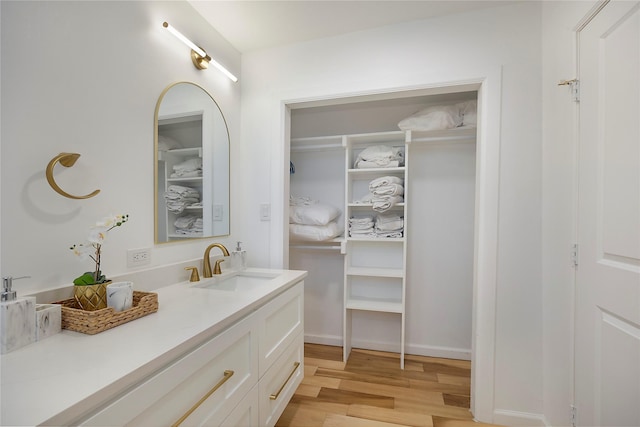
(238, 282)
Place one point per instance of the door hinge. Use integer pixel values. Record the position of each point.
(574, 254)
(574, 414)
(575, 88)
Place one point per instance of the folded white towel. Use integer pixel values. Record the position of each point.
(186, 174)
(178, 206)
(388, 190)
(397, 225)
(365, 199)
(301, 201)
(379, 156)
(382, 218)
(362, 220)
(384, 203)
(191, 164)
(389, 234)
(385, 180)
(179, 190)
(364, 164)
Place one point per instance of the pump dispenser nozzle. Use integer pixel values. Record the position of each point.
(7, 294)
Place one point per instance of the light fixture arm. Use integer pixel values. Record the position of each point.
(199, 57)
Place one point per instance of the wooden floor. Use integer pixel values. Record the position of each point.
(371, 390)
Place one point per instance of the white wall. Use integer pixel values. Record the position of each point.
(418, 54)
(85, 77)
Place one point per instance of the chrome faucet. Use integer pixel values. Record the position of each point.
(206, 262)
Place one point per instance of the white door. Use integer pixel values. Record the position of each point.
(607, 346)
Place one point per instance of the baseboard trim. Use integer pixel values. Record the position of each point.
(515, 418)
(436, 351)
(419, 350)
(323, 339)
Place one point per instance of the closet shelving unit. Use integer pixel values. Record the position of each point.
(375, 268)
(188, 131)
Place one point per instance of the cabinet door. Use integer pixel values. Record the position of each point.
(207, 383)
(280, 321)
(280, 382)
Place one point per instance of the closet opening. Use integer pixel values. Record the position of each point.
(409, 287)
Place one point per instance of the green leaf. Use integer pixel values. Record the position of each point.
(85, 279)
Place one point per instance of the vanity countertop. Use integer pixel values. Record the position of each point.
(64, 377)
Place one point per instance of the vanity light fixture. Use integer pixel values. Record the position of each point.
(199, 57)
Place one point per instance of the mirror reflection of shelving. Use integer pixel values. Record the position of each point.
(192, 156)
(180, 178)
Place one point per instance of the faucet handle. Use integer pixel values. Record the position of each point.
(195, 277)
(216, 268)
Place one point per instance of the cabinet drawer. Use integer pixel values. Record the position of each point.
(280, 382)
(245, 414)
(225, 368)
(280, 322)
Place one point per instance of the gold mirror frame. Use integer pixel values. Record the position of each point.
(215, 140)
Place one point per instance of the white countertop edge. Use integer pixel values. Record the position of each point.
(33, 394)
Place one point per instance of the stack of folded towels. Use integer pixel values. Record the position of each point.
(189, 225)
(384, 193)
(310, 220)
(178, 197)
(362, 226)
(379, 156)
(188, 168)
(389, 225)
(382, 225)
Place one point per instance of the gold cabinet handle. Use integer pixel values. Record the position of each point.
(227, 374)
(66, 160)
(275, 396)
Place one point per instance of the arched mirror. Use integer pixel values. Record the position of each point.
(191, 165)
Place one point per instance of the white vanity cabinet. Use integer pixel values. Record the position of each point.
(226, 365)
(245, 375)
(281, 346)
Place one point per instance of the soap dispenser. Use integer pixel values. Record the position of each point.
(239, 257)
(17, 318)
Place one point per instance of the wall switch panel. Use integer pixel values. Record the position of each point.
(265, 212)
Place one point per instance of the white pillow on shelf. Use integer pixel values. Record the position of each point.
(318, 214)
(433, 118)
(314, 233)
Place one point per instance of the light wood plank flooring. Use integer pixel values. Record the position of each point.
(371, 390)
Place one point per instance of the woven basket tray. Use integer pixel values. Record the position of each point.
(93, 322)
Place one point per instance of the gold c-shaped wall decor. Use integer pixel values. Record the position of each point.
(66, 160)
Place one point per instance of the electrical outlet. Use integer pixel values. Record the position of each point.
(138, 257)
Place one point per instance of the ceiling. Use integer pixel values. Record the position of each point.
(255, 25)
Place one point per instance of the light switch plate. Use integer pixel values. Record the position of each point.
(265, 212)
